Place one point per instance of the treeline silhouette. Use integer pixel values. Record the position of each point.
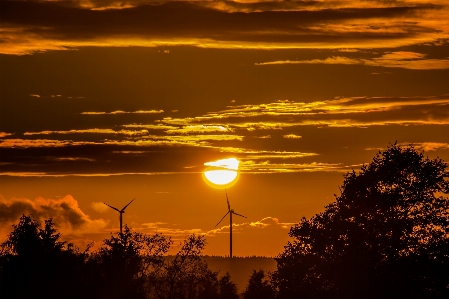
(385, 236)
(240, 268)
(35, 263)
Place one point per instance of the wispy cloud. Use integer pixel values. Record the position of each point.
(72, 159)
(254, 225)
(89, 131)
(428, 146)
(273, 167)
(199, 129)
(4, 134)
(171, 230)
(25, 143)
(199, 138)
(147, 140)
(96, 174)
(150, 126)
(339, 112)
(264, 154)
(124, 112)
(292, 136)
(401, 59)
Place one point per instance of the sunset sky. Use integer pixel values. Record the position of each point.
(109, 100)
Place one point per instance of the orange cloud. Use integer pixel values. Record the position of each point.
(89, 131)
(292, 136)
(124, 112)
(259, 224)
(250, 237)
(34, 143)
(263, 154)
(401, 59)
(65, 212)
(151, 127)
(272, 167)
(4, 134)
(199, 129)
(428, 146)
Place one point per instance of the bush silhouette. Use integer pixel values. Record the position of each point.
(385, 236)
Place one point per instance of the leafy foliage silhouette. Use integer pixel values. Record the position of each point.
(187, 276)
(119, 268)
(259, 287)
(385, 236)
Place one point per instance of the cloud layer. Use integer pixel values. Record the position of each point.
(233, 131)
(30, 26)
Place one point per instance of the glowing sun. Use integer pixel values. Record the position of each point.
(222, 173)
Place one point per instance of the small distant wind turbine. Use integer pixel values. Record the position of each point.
(230, 212)
(121, 212)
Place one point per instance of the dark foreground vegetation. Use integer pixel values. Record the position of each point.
(385, 236)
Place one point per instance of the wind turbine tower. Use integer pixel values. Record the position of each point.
(121, 212)
(230, 212)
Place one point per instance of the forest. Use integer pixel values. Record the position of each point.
(386, 235)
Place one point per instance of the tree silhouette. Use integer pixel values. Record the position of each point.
(259, 287)
(385, 236)
(34, 263)
(227, 288)
(187, 276)
(119, 268)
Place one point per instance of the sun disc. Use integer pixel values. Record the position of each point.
(220, 177)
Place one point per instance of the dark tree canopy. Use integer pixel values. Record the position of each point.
(259, 287)
(119, 268)
(385, 236)
(34, 263)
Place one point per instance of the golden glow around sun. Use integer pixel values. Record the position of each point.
(222, 173)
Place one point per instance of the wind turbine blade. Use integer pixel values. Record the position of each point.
(112, 207)
(229, 206)
(222, 219)
(127, 205)
(239, 215)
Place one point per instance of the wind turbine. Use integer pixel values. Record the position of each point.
(121, 212)
(230, 212)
